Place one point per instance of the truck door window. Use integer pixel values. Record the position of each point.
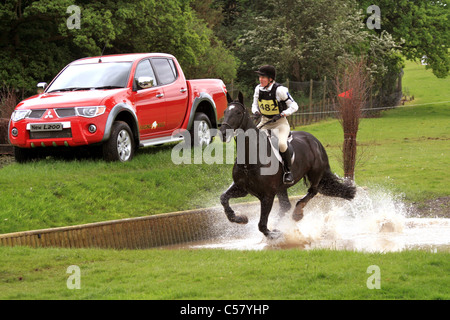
(164, 70)
(144, 69)
(174, 69)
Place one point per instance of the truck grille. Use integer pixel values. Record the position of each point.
(36, 114)
(65, 133)
(65, 112)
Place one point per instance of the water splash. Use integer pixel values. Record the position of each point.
(375, 221)
(360, 224)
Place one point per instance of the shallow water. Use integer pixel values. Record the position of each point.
(374, 221)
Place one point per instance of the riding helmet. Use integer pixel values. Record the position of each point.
(267, 71)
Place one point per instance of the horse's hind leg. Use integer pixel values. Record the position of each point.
(233, 192)
(297, 215)
(314, 177)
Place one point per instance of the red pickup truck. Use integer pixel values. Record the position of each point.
(120, 102)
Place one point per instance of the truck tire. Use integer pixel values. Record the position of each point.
(120, 145)
(22, 155)
(201, 130)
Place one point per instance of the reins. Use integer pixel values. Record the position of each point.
(270, 121)
(244, 115)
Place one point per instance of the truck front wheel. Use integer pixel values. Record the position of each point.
(23, 155)
(201, 130)
(120, 145)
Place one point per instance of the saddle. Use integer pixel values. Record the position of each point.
(274, 145)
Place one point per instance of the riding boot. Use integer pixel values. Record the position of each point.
(288, 178)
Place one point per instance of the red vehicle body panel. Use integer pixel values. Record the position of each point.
(158, 111)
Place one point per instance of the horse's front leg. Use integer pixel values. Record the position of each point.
(233, 192)
(266, 207)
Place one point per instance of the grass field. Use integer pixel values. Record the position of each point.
(54, 193)
(219, 274)
(406, 151)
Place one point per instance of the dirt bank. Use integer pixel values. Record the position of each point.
(5, 160)
(439, 207)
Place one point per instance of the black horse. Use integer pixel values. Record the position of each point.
(311, 163)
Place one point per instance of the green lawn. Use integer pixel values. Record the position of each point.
(52, 193)
(220, 274)
(423, 85)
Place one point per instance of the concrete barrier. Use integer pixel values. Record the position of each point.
(132, 233)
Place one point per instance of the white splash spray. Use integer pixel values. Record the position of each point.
(375, 221)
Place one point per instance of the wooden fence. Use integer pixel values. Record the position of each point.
(315, 100)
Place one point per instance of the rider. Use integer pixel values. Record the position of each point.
(274, 103)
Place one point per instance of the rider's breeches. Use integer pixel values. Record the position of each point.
(282, 133)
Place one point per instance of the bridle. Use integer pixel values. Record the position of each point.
(244, 115)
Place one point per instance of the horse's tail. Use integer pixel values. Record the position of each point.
(332, 186)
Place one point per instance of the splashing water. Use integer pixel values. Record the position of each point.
(375, 221)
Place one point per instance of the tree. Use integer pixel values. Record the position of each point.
(353, 83)
(216, 57)
(29, 44)
(421, 26)
(308, 39)
(37, 38)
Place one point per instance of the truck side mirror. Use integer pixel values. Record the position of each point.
(145, 82)
(41, 87)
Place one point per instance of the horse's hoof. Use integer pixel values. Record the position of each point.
(297, 216)
(274, 234)
(241, 219)
(298, 213)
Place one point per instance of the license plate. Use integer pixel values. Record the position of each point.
(36, 127)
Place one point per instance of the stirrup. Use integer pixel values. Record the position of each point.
(288, 178)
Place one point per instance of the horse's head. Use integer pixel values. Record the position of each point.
(235, 117)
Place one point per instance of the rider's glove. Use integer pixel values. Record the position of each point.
(256, 116)
(276, 117)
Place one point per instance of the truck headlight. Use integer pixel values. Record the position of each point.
(20, 115)
(90, 112)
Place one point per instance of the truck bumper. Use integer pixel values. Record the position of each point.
(72, 132)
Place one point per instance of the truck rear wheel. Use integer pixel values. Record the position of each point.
(120, 145)
(201, 130)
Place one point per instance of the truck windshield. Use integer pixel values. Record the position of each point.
(105, 75)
